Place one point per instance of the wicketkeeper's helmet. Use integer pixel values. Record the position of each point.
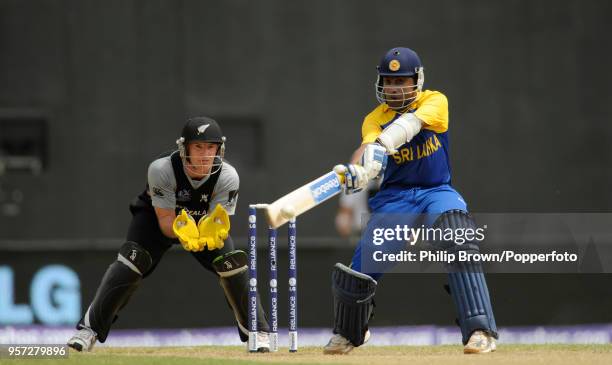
(202, 129)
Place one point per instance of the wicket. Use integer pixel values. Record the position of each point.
(272, 247)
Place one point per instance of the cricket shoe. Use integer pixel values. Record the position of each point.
(480, 343)
(83, 340)
(339, 345)
(263, 341)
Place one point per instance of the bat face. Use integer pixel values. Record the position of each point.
(304, 198)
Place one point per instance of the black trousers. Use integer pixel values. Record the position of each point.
(120, 282)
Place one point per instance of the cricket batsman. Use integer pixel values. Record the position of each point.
(190, 194)
(406, 143)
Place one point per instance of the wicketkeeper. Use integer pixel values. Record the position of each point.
(191, 193)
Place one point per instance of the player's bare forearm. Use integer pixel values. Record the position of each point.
(356, 156)
(166, 227)
(165, 218)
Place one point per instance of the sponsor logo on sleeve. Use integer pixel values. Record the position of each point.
(158, 192)
(232, 196)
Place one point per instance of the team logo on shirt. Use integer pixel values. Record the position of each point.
(394, 65)
(204, 198)
(158, 192)
(417, 151)
(183, 195)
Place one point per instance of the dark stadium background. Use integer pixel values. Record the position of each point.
(92, 91)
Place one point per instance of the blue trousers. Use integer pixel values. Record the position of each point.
(391, 207)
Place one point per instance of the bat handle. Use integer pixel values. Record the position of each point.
(340, 178)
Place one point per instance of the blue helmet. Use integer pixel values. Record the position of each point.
(399, 61)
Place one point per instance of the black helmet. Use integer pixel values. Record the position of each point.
(202, 129)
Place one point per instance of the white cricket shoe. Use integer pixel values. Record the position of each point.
(263, 341)
(480, 343)
(83, 340)
(339, 345)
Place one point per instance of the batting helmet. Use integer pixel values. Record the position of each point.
(400, 61)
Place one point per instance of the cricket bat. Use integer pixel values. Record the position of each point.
(304, 199)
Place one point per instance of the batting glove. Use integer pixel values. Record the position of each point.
(355, 177)
(374, 160)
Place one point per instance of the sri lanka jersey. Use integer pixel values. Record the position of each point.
(424, 161)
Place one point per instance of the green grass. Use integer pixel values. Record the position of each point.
(443, 355)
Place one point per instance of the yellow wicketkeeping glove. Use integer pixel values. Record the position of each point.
(214, 228)
(185, 229)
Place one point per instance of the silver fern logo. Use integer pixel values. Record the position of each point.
(202, 128)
